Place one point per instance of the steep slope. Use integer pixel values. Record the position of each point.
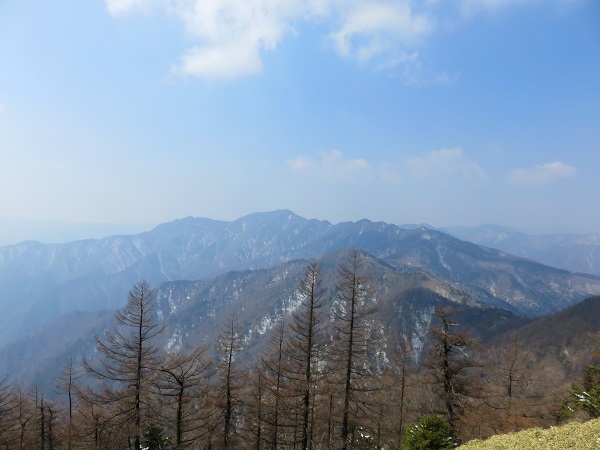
(38, 358)
(562, 336)
(197, 310)
(496, 278)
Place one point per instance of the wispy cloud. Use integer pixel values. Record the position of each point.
(412, 70)
(371, 28)
(541, 174)
(445, 164)
(224, 61)
(232, 34)
(330, 165)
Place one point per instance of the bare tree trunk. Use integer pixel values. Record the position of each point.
(354, 292)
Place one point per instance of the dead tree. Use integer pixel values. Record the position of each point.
(228, 384)
(66, 384)
(128, 363)
(305, 348)
(8, 410)
(181, 381)
(448, 363)
(355, 309)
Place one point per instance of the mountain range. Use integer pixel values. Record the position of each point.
(56, 297)
(572, 252)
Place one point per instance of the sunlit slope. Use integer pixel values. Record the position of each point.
(579, 436)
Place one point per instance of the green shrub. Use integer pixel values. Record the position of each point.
(430, 432)
(154, 439)
(585, 397)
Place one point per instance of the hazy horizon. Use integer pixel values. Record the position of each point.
(14, 231)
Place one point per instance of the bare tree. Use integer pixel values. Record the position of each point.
(395, 396)
(66, 383)
(276, 411)
(255, 411)
(129, 361)
(25, 412)
(45, 416)
(353, 326)
(8, 410)
(228, 387)
(448, 363)
(305, 348)
(52, 414)
(182, 380)
(513, 392)
(41, 418)
(96, 427)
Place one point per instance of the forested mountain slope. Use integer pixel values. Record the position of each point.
(195, 313)
(40, 282)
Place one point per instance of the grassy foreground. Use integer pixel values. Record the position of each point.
(579, 436)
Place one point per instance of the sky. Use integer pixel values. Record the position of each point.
(446, 112)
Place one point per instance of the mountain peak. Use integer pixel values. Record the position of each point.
(88, 275)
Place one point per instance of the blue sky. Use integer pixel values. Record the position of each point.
(457, 112)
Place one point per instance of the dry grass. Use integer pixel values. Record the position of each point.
(576, 436)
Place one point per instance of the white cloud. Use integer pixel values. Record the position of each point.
(412, 70)
(372, 28)
(445, 163)
(221, 61)
(231, 36)
(301, 163)
(330, 166)
(541, 174)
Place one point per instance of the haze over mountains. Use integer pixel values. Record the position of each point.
(569, 251)
(14, 231)
(204, 270)
(573, 252)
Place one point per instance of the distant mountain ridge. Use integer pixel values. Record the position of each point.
(40, 282)
(14, 231)
(572, 252)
